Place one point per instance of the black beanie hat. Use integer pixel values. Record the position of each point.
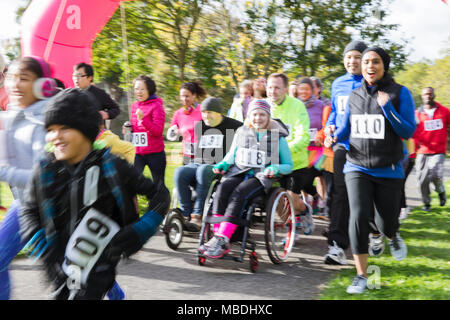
(212, 104)
(383, 54)
(76, 109)
(355, 45)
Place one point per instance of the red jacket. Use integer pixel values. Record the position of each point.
(431, 134)
(152, 124)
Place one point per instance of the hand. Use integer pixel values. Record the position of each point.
(383, 98)
(329, 130)
(172, 133)
(271, 172)
(126, 241)
(104, 114)
(318, 141)
(139, 114)
(329, 141)
(220, 168)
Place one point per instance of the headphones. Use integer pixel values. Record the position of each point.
(44, 87)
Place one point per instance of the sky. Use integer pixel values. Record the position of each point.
(426, 23)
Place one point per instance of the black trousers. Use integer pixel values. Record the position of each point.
(339, 210)
(234, 193)
(408, 168)
(301, 179)
(369, 196)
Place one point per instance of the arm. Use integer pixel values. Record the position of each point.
(286, 165)
(154, 124)
(18, 177)
(109, 105)
(403, 121)
(29, 215)
(343, 132)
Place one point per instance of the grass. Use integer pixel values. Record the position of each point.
(423, 275)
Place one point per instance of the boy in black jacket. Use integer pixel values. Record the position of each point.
(80, 201)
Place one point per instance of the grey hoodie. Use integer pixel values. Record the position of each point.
(24, 140)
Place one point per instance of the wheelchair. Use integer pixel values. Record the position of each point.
(275, 209)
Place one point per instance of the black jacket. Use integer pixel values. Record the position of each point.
(368, 149)
(55, 200)
(105, 103)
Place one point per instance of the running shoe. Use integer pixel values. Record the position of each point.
(335, 255)
(442, 198)
(426, 207)
(204, 247)
(358, 285)
(398, 247)
(307, 220)
(376, 245)
(218, 247)
(404, 212)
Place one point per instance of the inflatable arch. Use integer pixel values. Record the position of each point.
(62, 31)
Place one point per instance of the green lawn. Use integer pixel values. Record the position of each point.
(423, 275)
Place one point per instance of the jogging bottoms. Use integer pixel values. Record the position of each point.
(370, 195)
(339, 210)
(156, 162)
(430, 169)
(234, 193)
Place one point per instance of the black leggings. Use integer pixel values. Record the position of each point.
(301, 179)
(156, 162)
(234, 193)
(369, 196)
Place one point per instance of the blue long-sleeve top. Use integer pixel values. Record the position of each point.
(404, 124)
(340, 91)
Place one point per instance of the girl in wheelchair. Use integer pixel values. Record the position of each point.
(259, 153)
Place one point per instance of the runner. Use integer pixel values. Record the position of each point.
(147, 120)
(214, 135)
(314, 107)
(185, 118)
(379, 115)
(341, 88)
(431, 139)
(19, 152)
(294, 115)
(262, 140)
(238, 109)
(91, 193)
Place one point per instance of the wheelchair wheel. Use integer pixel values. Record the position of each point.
(174, 229)
(279, 226)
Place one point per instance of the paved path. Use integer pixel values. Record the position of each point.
(157, 272)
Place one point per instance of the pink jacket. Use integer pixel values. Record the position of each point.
(152, 123)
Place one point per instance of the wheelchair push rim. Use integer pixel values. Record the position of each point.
(279, 226)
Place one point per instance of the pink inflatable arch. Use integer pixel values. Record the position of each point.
(62, 31)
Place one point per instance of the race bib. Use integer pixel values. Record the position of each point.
(140, 139)
(87, 243)
(188, 148)
(341, 104)
(432, 125)
(250, 158)
(367, 126)
(211, 141)
(312, 134)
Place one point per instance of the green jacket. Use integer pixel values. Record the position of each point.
(294, 115)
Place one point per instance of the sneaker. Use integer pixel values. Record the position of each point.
(426, 207)
(218, 246)
(205, 246)
(196, 219)
(398, 247)
(358, 285)
(404, 213)
(376, 245)
(307, 221)
(335, 255)
(442, 198)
